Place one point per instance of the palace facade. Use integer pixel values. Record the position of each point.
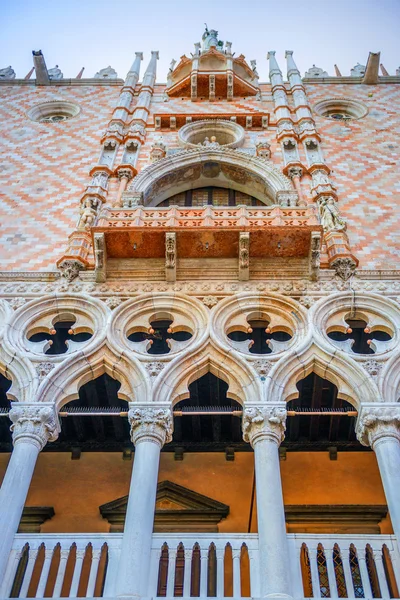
(199, 330)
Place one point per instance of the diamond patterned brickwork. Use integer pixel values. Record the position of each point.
(364, 156)
(45, 168)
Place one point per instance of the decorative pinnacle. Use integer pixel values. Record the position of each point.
(155, 53)
(139, 55)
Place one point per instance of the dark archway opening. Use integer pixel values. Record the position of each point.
(94, 433)
(207, 432)
(319, 432)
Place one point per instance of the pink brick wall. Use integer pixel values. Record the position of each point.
(45, 167)
(44, 170)
(364, 156)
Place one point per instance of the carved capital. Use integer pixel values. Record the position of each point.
(125, 174)
(150, 424)
(375, 424)
(34, 423)
(295, 172)
(264, 422)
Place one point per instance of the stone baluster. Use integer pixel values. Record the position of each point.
(151, 428)
(378, 426)
(64, 554)
(33, 425)
(263, 427)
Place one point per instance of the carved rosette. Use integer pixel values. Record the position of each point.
(264, 422)
(150, 424)
(34, 423)
(377, 424)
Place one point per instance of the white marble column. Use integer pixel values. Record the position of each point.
(263, 427)
(151, 428)
(33, 425)
(378, 426)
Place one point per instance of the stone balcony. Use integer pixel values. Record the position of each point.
(202, 565)
(242, 233)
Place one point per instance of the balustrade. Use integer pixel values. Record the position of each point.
(203, 565)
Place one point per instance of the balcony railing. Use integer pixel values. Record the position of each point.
(202, 565)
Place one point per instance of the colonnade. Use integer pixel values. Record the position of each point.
(33, 425)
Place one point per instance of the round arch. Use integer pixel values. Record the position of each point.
(201, 167)
(66, 380)
(353, 384)
(174, 386)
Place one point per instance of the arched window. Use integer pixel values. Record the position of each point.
(215, 196)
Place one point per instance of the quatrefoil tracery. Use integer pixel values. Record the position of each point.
(260, 336)
(60, 336)
(160, 337)
(360, 336)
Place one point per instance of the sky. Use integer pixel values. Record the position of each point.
(97, 33)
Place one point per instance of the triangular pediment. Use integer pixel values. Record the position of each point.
(177, 509)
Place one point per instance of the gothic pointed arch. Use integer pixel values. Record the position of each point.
(21, 373)
(76, 371)
(243, 384)
(199, 167)
(389, 379)
(352, 382)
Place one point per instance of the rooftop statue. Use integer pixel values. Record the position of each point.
(210, 38)
(55, 73)
(7, 73)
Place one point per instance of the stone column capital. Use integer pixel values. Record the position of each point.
(264, 422)
(126, 172)
(377, 423)
(36, 424)
(295, 172)
(150, 423)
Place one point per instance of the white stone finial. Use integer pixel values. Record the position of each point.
(291, 65)
(107, 73)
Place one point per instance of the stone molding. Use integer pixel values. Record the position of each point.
(376, 424)
(264, 422)
(150, 424)
(34, 424)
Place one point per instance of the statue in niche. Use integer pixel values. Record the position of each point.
(210, 39)
(330, 215)
(210, 143)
